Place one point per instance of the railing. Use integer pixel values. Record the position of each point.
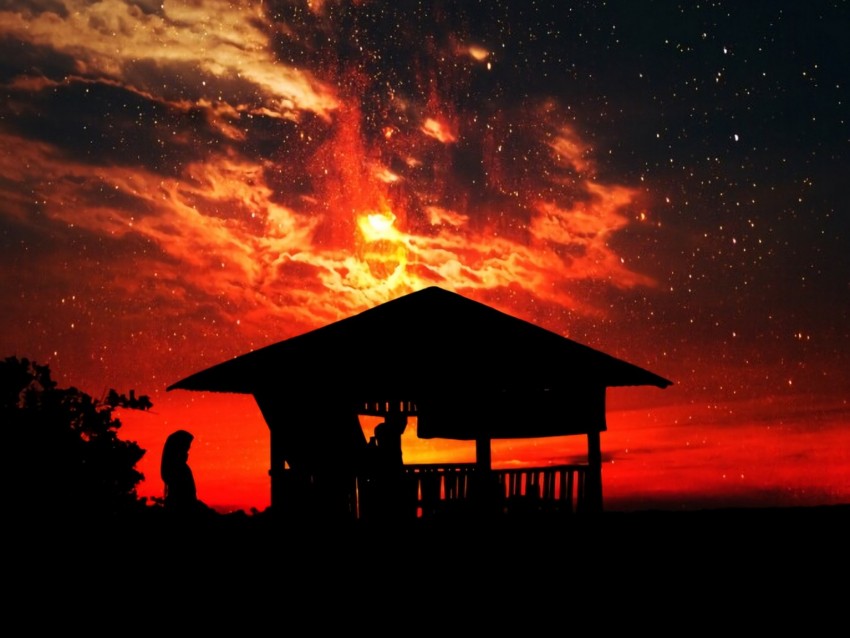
(553, 488)
(437, 490)
(438, 487)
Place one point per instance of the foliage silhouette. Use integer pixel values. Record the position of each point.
(73, 461)
(115, 400)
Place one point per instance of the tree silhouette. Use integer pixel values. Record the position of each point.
(115, 400)
(70, 460)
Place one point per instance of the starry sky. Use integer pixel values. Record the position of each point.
(182, 182)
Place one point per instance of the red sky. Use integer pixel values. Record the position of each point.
(666, 455)
(181, 183)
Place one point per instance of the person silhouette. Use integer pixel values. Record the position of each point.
(388, 470)
(180, 492)
(388, 439)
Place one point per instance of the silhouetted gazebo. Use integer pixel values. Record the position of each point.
(465, 370)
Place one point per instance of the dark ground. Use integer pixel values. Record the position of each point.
(730, 570)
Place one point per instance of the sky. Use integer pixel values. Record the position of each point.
(184, 182)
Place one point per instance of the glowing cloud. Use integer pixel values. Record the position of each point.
(252, 195)
(157, 49)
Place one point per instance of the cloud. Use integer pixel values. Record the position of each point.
(202, 48)
(184, 159)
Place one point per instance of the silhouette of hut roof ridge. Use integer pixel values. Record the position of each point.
(432, 347)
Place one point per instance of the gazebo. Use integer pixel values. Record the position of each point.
(463, 369)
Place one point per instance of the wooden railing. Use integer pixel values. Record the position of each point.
(553, 488)
(439, 489)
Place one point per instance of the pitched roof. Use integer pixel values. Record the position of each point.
(465, 369)
(428, 340)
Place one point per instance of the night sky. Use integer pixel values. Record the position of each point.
(182, 182)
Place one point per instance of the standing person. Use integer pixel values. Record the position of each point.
(180, 492)
(389, 471)
(388, 439)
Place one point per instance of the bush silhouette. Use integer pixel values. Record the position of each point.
(69, 459)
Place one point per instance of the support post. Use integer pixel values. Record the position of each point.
(485, 490)
(593, 483)
(483, 455)
(273, 417)
(276, 471)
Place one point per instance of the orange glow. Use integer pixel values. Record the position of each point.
(652, 457)
(479, 53)
(376, 226)
(438, 130)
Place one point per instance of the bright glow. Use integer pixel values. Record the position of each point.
(438, 130)
(479, 53)
(376, 226)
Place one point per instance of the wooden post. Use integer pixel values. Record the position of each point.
(482, 455)
(593, 484)
(276, 471)
(269, 408)
(484, 489)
